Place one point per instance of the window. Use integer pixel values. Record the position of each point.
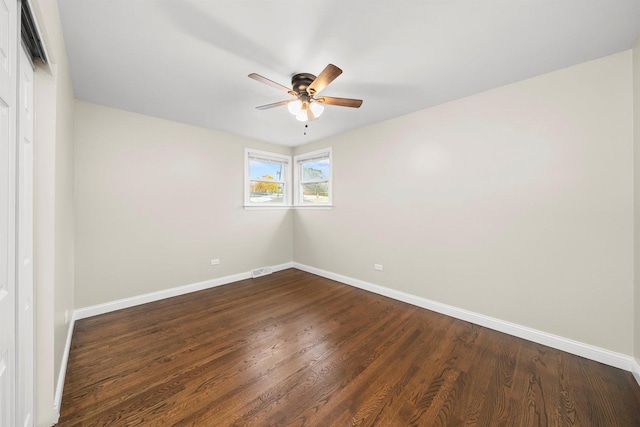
(266, 179)
(313, 178)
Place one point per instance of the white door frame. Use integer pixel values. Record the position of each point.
(25, 386)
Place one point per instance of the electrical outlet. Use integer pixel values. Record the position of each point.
(377, 267)
(215, 261)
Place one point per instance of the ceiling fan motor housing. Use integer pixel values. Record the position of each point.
(300, 83)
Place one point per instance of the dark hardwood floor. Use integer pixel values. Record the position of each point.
(294, 349)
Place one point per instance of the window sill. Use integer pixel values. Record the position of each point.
(297, 207)
(313, 207)
(265, 208)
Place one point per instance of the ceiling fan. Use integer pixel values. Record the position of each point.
(306, 87)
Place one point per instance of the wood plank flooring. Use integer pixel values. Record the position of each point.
(294, 349)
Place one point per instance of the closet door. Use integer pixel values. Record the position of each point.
(8, 298)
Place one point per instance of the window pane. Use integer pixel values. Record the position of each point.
(265, 170)
(315, 193)
(316, 170)
(266, 192)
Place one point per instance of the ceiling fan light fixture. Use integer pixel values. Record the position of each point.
(295, 107)
(316, 108)
(302, 116)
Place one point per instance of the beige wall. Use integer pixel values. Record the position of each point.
(157, 200)
(54, 211)
(636, 169)
(516, 203)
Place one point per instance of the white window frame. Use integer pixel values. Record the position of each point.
(250, 153)
(297, 177)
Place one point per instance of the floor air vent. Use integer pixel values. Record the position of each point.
(261, 272)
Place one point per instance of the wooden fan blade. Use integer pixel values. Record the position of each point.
(275, 104)
(261, 79)
(327, 75)
(342, 102)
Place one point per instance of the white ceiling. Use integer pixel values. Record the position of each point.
(188, 60)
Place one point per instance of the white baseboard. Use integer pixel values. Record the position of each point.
(635, 369)
(588, 351)
(57, 399)
(108, 307)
